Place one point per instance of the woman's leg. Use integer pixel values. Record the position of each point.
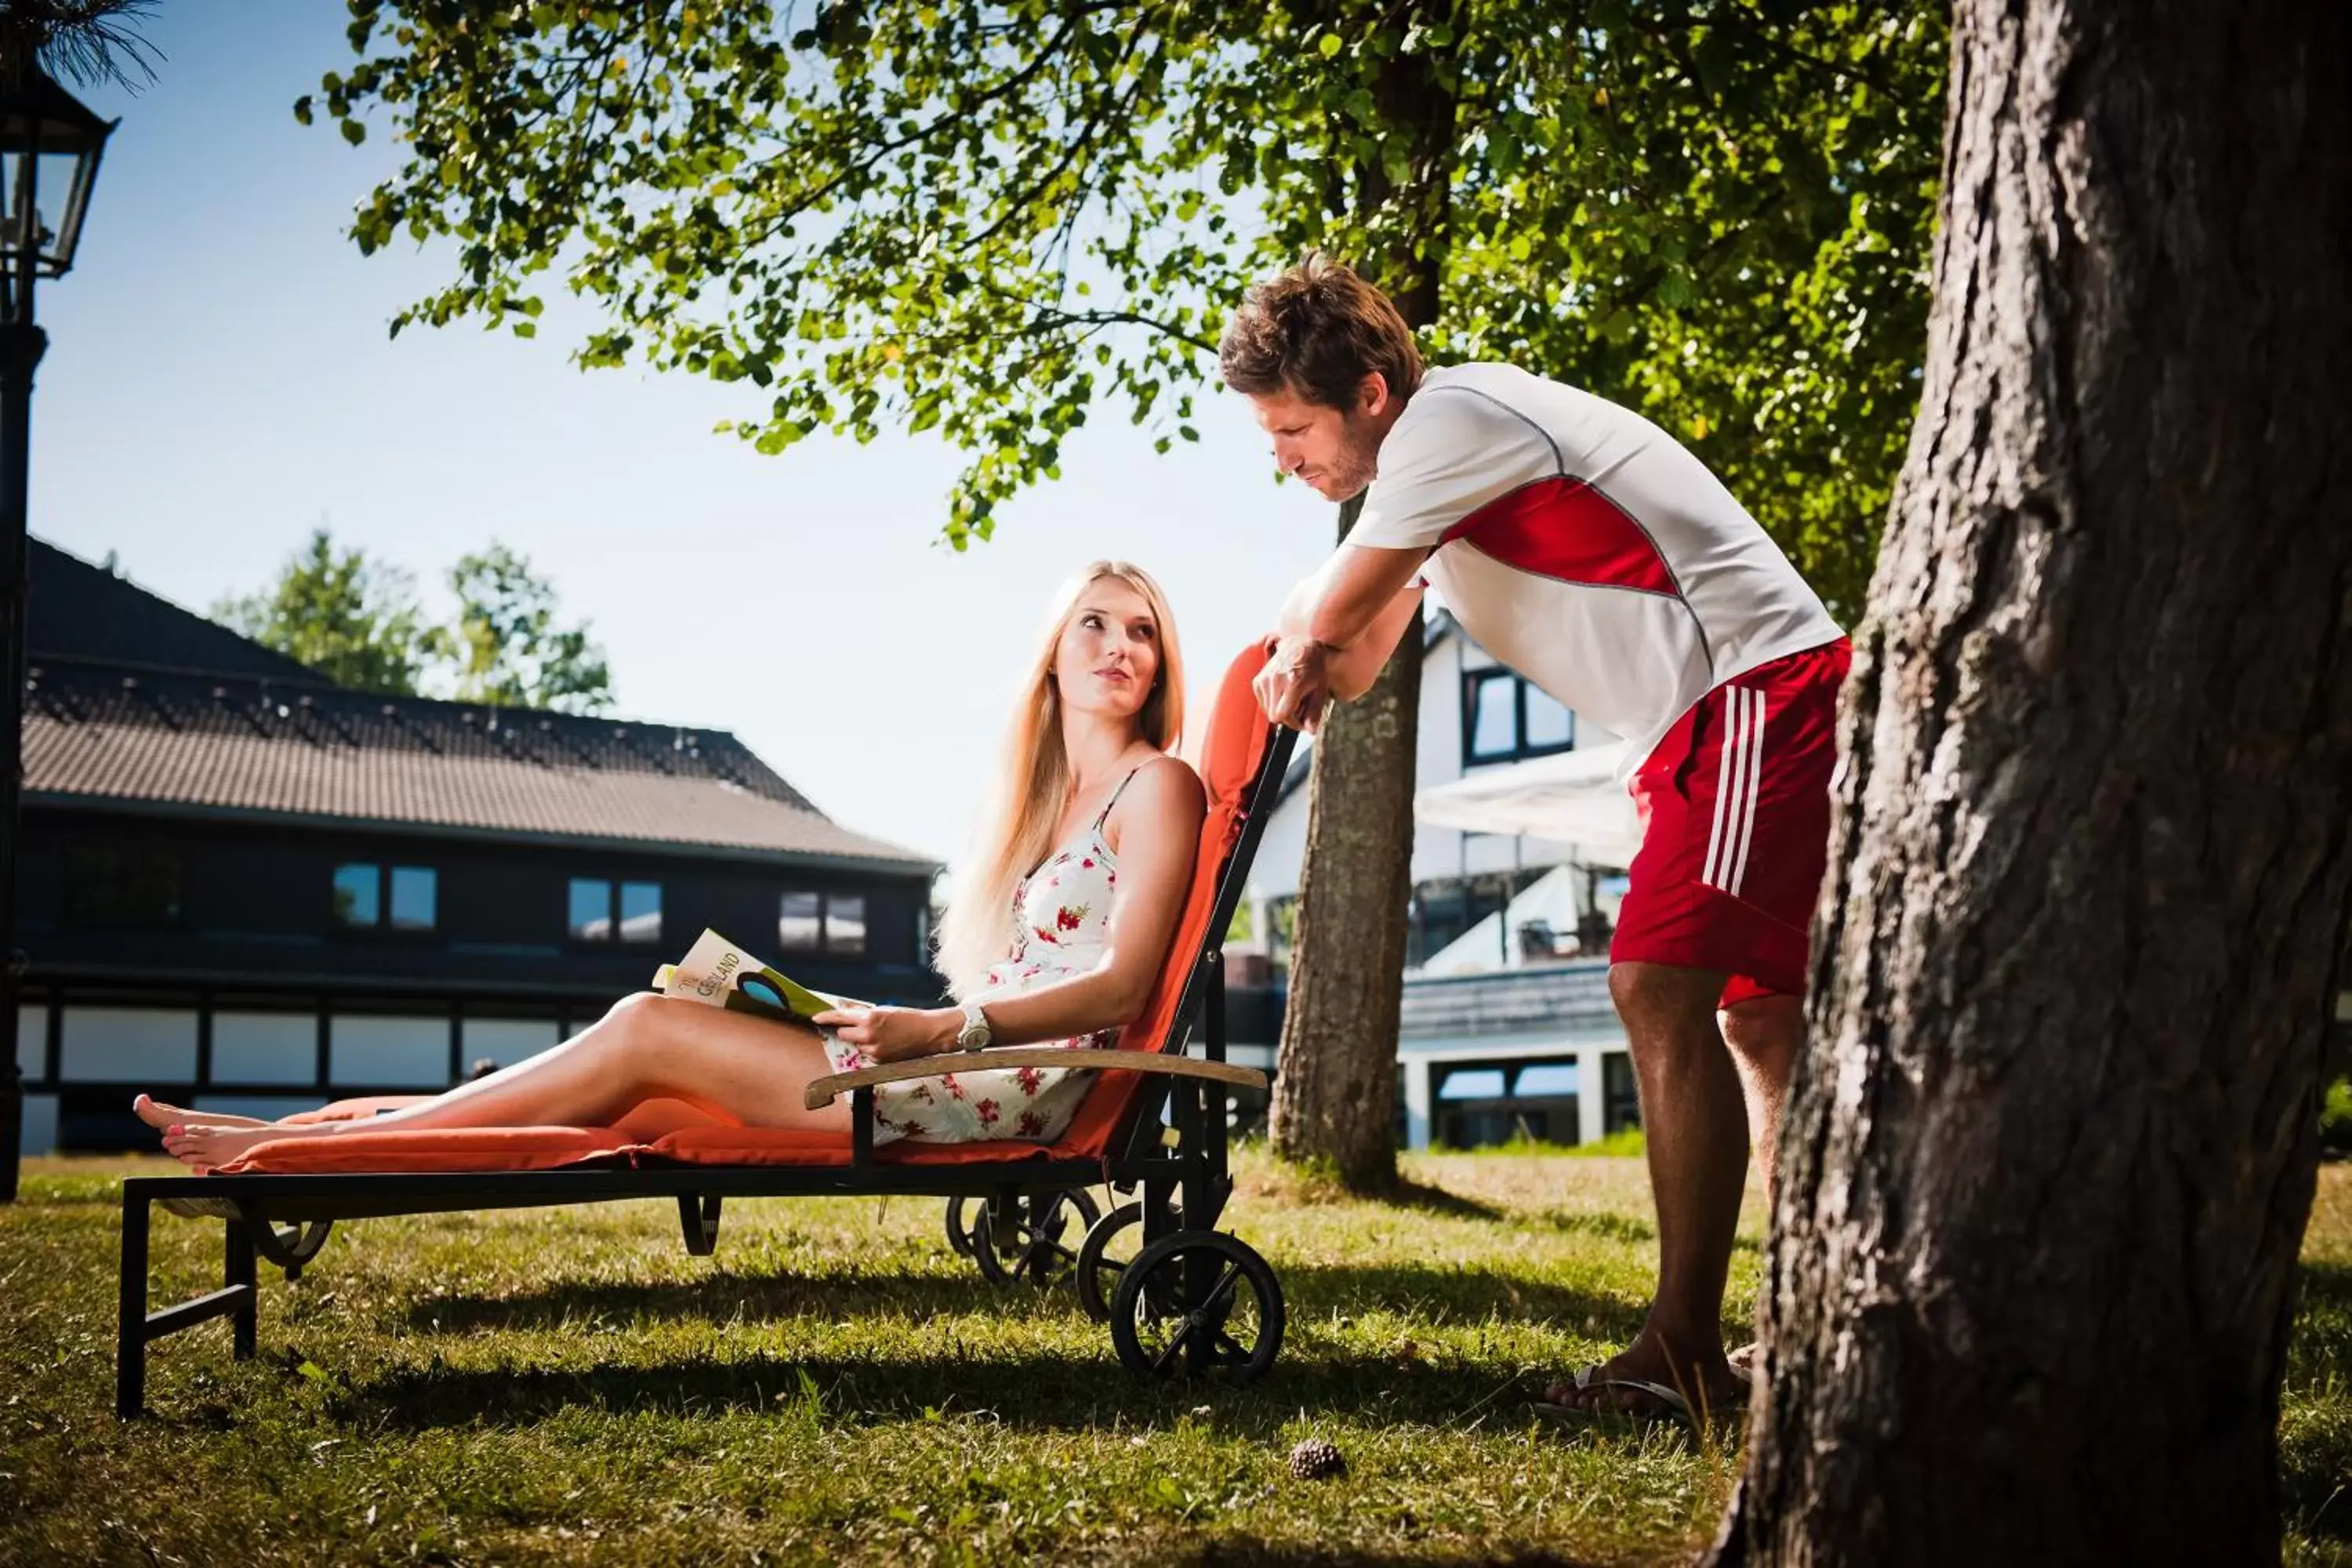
(163, 1117)
(740, 1067)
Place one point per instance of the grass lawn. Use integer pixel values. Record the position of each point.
(836, 1387)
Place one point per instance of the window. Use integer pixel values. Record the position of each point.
(844, 924)
(1504, 719)
(369, 896)
(600, 907)
(641, 911)
(822, 922)
(1493, 718)
(124, 885)
(591, 910)
(800, 922)
(1545, 725)
(355, 895)
(414, 891)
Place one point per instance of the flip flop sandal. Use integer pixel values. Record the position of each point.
(1670, 1404)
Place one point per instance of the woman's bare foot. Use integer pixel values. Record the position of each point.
(206, 1146)
(163, 1117)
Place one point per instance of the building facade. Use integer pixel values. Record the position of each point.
(245, 888)
(1515, 1037)
(1475, 714)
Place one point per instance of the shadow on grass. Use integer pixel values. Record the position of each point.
(1427, 1199)
(1310, 1291)
(1264, 1554)
(2316, 1454)
(2326, 1287)
(1029, 1391)
(1604, 1226)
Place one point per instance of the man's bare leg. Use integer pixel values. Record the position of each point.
(1765, 1033)
(1695, 1126)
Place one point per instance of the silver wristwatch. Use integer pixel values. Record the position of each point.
(974, 1036)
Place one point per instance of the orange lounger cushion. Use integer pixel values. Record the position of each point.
(552, 1148)
(446, 1149)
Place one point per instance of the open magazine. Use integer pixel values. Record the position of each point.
(717, 973)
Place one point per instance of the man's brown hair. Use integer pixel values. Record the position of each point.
(1318, 330)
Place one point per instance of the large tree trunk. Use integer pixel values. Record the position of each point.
(2048, 1159)
(1335, 1092)
(1335, 1083)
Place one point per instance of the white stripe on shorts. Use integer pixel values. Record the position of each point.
(1728, 760)
(1754, 788)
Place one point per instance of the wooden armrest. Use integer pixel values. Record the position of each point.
(822, 1091)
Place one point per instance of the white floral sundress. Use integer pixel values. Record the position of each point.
(1064, 908)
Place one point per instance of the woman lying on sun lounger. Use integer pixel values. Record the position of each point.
(1055, 936)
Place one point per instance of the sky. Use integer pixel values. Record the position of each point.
(220, 381)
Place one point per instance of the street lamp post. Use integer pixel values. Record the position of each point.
(49, 148)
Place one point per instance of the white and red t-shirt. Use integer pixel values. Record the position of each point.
(1585, 547)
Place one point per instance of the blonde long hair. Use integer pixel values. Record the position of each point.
(1032, 783)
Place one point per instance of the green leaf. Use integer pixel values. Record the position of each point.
(1021, 198)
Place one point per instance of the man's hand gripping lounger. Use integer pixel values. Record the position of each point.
(1338, 628)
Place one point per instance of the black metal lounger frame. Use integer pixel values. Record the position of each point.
(285, 1219)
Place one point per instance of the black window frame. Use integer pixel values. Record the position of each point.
(1472, 681)
(613, 929)
(823, 946)
(382, 928)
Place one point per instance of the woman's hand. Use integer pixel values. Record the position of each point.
(894, 1034)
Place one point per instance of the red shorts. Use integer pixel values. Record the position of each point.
(1735, 805)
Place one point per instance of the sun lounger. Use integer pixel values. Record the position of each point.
(1182, 1298)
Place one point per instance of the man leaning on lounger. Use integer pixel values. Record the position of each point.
(1585, 547)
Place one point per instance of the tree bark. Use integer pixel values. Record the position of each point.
(1335, 1083)
(2050, 1155)
(1335, 1090)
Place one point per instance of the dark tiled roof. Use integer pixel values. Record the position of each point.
(108, 734)
(76, 610)
(135, 702)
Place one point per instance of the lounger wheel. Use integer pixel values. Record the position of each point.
(964, 1228)
(1103, 1255)
(1199, 1303)
(1034, 1239)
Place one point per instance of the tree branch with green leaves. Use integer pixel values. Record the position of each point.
(996, 221)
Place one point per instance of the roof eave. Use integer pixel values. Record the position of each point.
(260, 817)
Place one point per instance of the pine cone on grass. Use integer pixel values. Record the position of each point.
(1317, 1461)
